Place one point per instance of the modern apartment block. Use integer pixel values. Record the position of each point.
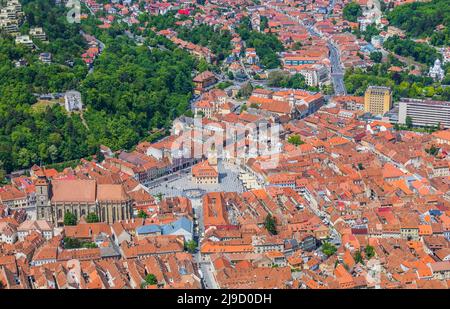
(377, 100)
(10, 16)
(424, 112)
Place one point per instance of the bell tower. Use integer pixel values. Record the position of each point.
(43, 191)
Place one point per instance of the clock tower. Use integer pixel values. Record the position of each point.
(43, 207)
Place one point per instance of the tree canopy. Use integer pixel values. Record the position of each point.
(376, 56)
(270, 224)
(369, 251)
(191, 246)
(75, 243)
(218, 41)
(92, 218)
(266, 44)
(131, 91)
(352, 11)
(328, 249)
(358, 257)
(65, 41)
(142, 214)
(295, 140)
(420, 52)
(420, 19)
(403, 83)
(150, 279)
(70, 219)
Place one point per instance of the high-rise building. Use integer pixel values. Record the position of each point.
(377, 100)
(424, 112)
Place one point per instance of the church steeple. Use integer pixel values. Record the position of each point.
(43, 194)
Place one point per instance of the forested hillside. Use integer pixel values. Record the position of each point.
(420, 52)
(131, 91)
(134, 89)
(420, 19)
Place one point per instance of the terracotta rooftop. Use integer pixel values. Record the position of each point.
(73, 191)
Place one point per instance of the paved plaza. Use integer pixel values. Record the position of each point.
(228, 182)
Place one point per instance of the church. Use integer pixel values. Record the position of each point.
(54, 198)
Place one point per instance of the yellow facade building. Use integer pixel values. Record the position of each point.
(377, 100)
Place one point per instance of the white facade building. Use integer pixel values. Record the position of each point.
(72, 101)
(436, 71)
(424, 112)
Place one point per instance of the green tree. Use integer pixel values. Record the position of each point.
(53, 153)
(270, 224)
(99, 155)
(371, 31)
(409, 122)
(92, 218)
(150, 279)
(352, 11)
(217, 40)
(142, 214)
(328, 249)
(71, 243)
(131, 90)
(189, 113)
(278, 78)
(264, 23)
(327, 89)
(89, 245)
(358, 257)
(421, 19)
(74, 243)
(224, 85)
(2, 172)
(191, 246)
(266, 44)
(295, 140)
(420, 52)
(70, 219)
(246, 90)
(202, 66)
(370, 251)
(376, 56)
(433, 150)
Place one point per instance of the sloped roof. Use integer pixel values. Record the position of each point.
(182, 223)
(148, 229)
(111, 192)
(73, 190)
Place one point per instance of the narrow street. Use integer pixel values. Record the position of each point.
(204, 265)
(337, 73)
